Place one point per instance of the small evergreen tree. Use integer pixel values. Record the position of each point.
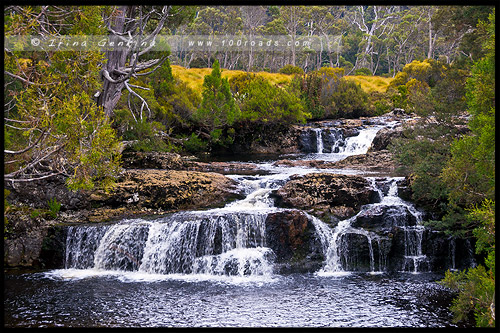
(218, 108)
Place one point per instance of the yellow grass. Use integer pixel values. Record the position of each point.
(371, 83)
(193, 77)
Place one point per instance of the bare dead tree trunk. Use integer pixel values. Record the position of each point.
(128, 23)
(112, 91)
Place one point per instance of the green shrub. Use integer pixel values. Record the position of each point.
(344, 99)
(290, 69)
(265, 102)
(363, 71)
(218, 108)
(194, 144)
(54, 207)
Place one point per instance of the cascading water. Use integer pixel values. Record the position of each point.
(183, 243)
(232, 240)
(319, 140)
(336, 247)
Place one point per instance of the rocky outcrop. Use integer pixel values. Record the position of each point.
(384, 137)
(167, 190)
(36, 194)
(25, 239)
(325, 194)
(381, 160)
(291, 235)
(32, 240)
(263, 139)
(173, 161)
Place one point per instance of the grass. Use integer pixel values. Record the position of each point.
(193, 77)
(371, 83)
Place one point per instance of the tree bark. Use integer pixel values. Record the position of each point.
(116, 60)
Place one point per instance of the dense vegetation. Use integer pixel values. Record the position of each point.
(67, 111)
(453, 171)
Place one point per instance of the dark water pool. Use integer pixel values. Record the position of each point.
(301, 300)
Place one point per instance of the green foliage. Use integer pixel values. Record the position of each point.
(76, 137)
(476, 288)
(218, 107)
(310, 87)
(343, 98)
(363, 71)
(380, 103)
(194, 144)
(265, 102)
(239, 82)
(470, 173)
(290, 69)
(54, 207)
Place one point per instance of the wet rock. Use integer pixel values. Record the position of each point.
(290, 234)
(153, 160)
(382, 160)
(327, 193)
(364, 252)
(172, 161)
(24, 239)
(384, 137)
(383, 219)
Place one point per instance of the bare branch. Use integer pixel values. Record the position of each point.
(11, 152)
(27, 81)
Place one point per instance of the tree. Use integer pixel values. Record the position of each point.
(253, 17)
(140, 24)
(470, 173)
(373, 21)
(52, 124)
(218, 108)
(292, 18)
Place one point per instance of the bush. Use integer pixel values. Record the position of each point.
(54, 207)
(218, 108)
(194, 144)
(239, 82)
(265, 102)
(290, 69)
(363, 71)
(344, 99)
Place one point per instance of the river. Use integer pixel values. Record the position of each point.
(171, 272)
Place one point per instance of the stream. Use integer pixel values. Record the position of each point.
(215, 267)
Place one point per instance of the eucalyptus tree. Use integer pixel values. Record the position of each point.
(253, 17)
(373, 22)
(293, 18)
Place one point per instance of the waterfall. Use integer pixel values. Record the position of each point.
(360, 143)
(341, 253)
(319, 140)
(232, 240)
(183, 243)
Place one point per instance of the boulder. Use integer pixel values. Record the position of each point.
(382, 219)
(24, 239)
(36, 194)
(291, 235)
(384, 137)
(325, 193)
(382, 160)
